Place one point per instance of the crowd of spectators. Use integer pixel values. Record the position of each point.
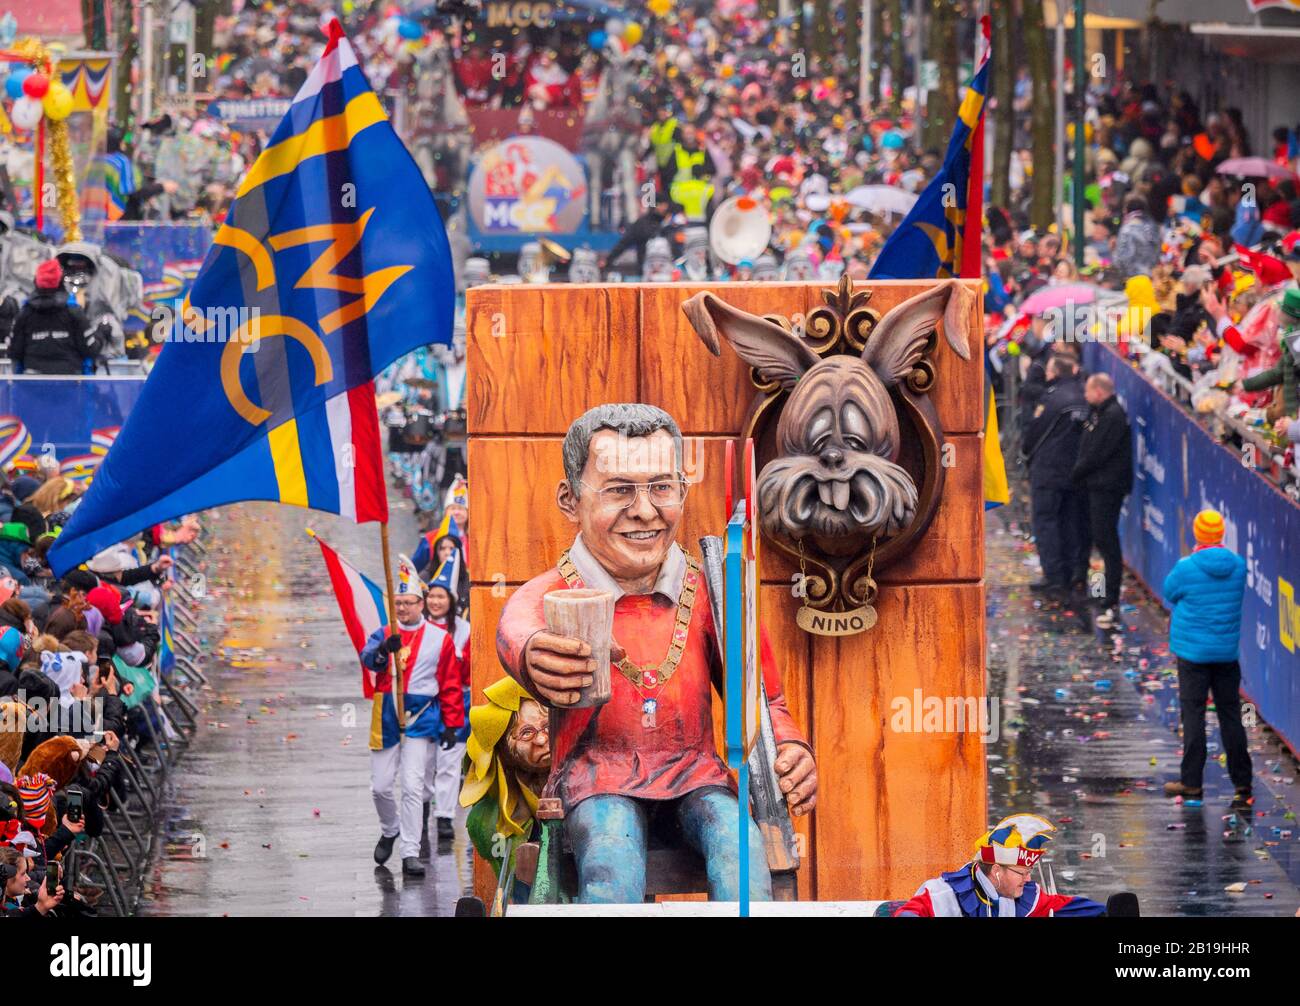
(77, 690)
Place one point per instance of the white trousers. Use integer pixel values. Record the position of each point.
(407, 761)
(442, 779)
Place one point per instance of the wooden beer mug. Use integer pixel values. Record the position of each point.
(588, 615)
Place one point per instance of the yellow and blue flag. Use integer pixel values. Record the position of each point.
(166, 643)
(940, 236)
(996, 489)
(332, 263)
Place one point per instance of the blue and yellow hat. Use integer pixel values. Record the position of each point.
(442, 578)
(1018, 840)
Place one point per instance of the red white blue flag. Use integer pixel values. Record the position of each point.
(361, 603)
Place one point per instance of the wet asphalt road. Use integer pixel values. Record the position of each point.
(1089, 736)
(270, 810)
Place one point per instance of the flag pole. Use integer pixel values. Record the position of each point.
(394, 661)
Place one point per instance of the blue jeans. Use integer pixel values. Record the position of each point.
(608, 835)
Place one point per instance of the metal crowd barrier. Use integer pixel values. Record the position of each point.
(120, 858)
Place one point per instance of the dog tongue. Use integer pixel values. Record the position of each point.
(840, 491)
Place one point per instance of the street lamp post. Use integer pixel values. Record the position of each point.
(1081, 100)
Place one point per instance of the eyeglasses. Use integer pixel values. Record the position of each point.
(526, 735)
(621, 495)
(1022, 872)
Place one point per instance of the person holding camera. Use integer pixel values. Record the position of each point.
(19, 902)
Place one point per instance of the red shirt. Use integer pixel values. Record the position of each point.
(608, 749)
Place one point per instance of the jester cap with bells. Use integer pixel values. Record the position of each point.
(1018, 840)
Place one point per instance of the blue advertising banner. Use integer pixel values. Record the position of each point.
(61, 413)
(251, 114)
(1181, 470)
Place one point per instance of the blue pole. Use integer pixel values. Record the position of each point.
(742, 798)
(734, 612)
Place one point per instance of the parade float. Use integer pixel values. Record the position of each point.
(871, 532)
(53, 122)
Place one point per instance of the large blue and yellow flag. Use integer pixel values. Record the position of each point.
(332, 263)
(939, 237)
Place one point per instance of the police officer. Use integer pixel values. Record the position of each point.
(1051, 444)
(692, 187)
(1104, 469)
(663, 141)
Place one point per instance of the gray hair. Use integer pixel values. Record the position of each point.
(629, 419)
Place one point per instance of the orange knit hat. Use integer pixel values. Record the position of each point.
(1208, 527)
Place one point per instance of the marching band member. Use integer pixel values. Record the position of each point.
(996, 882)
(434, 708)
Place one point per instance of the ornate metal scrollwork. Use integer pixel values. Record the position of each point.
(839, 489)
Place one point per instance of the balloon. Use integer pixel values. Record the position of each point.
(26, 113)
(14, 86)
(408, 29)
(57, 102)
(614, 27)
(597, 39)
(35, 85)
(632, 34)
(660, 7)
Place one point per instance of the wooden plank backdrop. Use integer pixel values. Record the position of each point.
(895, 806)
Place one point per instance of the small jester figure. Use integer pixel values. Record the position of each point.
(508, 755)
(646, 757)
(996, 884)
(434, 709)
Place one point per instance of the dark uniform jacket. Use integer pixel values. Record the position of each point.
(1052, 438)
(50, 336)
(1105, 463)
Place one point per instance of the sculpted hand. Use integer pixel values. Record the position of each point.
(559, 667)
(796, 773)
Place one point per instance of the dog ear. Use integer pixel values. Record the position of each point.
(777, 354)
(898, 341)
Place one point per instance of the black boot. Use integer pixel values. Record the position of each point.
(424, 834)
(384, 848)
(412, 867)
(445, 833)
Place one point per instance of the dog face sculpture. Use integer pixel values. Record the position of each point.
(836, 482)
